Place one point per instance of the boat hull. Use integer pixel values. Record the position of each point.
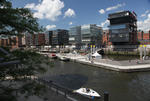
(89, 93)
(64, 59)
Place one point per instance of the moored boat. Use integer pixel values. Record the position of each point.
(63, 58)
(53, 56)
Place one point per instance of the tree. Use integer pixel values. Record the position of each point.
(14, 79)
(16, 20)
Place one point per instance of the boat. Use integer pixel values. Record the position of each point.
(63, 58)
(87, 92)
(53, 56)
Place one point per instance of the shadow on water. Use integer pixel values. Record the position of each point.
(72, 81)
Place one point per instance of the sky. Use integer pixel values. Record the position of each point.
(64, 14)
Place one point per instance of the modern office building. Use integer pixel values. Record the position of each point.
(60, 37)
(91, 35)
(75, 37)
(48, 38)
(123, 28)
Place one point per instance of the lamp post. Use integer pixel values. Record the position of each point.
(144, 52)
(141, 51)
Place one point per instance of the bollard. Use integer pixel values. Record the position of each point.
(50, 83)
(106, 96)
(65, 94)
(56, 90)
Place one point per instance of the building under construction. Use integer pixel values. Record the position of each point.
(123, 28)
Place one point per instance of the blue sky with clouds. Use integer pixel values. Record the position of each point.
(54, 14)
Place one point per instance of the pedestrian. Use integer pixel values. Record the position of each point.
(137, 61)
(89, 57)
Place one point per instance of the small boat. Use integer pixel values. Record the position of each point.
(62, 58)
(87, 92)
(53, 56)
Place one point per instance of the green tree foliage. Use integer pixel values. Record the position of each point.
(16, 20)
(15, 80)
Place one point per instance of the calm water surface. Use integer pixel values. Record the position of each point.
(121, 86)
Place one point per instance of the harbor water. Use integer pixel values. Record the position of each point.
(121, 86)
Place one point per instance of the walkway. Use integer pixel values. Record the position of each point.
(123, 66)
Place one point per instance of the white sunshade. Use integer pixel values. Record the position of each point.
(96, 54)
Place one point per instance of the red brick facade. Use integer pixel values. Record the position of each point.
(41, 39)
(105, 38)
(144, 37)
(13, 42)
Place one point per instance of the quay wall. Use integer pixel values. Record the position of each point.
(109, 66)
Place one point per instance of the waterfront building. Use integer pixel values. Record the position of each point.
(123, 29)
(28, 39)
(105, 39)
(12, 42)
(41, 39)
(34, 39)
(75, 37)
(60, 37)
(48, 38)
(91, 35)
(144, 37)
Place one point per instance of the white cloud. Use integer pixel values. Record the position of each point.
(145, 14)
(48, 27)
(115, 7)
(105, 23)
(102, 11)
(47, 9)
(70, 23)
(31, 6)
(69, 13)
(145, 24)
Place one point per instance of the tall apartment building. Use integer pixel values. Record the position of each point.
(35, 38)
(41, 39)
(91, 35)
(75, 37)
(123, 28)
(60, 37)
(28, 39)
(48, 38)
(12, 42)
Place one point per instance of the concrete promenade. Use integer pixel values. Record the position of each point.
(122, 66)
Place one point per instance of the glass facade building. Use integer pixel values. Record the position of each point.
(75, 36)
(60, 37)
(91, 35)
(123, 27)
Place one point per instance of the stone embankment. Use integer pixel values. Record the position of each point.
(121, 66)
